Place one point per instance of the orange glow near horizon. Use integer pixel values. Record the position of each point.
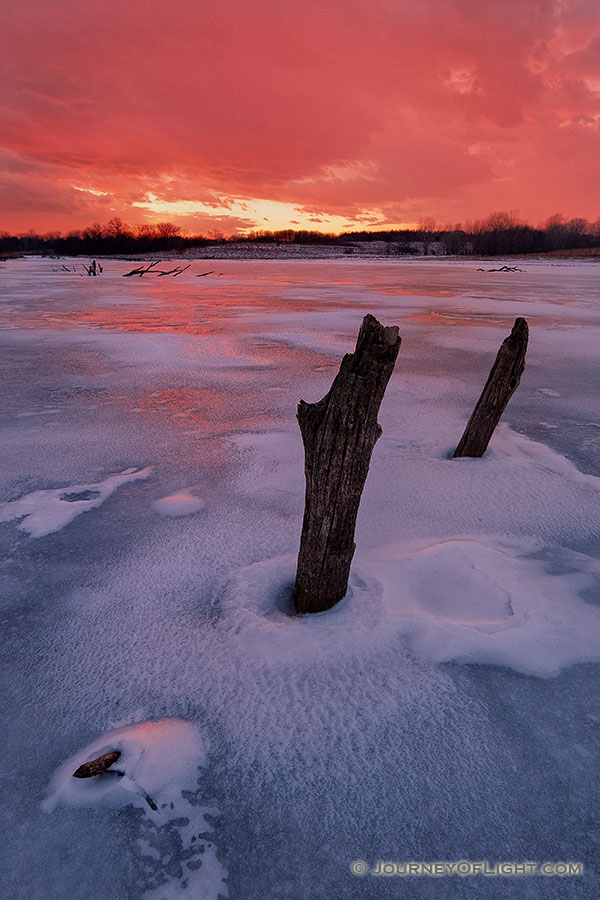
(321, 116)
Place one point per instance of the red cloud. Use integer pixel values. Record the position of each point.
(449, 107)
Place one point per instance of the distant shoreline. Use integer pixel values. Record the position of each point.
(298, 252)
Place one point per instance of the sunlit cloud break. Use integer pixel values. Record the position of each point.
(259, 214)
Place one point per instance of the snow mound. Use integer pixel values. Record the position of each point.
(488, 601)
(160, 762)
(158, 758)
(44, 512)
(183, 503)
(462, 600)
(256, 605)
(519, 450)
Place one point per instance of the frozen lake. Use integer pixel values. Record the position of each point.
(151, 501)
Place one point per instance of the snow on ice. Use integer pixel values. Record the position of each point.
(183, 503)
(46, 511)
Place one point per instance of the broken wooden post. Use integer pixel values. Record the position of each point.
(339, 433)
(502, 382)
(93, 269)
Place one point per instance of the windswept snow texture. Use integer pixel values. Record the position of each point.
(446, 709)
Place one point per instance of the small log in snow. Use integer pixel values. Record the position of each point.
(502, 382)
(102, 766)
(98, 766)
(339, 433)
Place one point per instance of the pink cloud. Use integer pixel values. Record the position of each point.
(407, 108)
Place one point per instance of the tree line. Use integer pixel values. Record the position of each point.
(499, 234)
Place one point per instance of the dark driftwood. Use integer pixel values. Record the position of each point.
(98, 766)
(339, 433)
(174, 272)
(141, 270)
(502, 382)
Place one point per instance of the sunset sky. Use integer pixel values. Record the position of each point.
(328, 115)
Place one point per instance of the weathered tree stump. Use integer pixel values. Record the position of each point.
(502, 382)
(339, 433)
(98, 766)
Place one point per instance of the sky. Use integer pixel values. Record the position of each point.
(240, 115)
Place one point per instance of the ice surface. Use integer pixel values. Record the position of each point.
(446, 709)
(479, 601)
(257, 609)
